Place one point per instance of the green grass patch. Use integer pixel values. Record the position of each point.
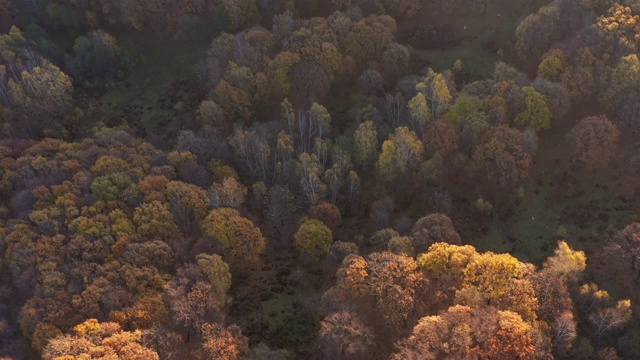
(139, 92)
(283, 320)
(493, 241)
(476, 62)
(276, 311)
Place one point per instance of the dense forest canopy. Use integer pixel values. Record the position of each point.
(311, 179)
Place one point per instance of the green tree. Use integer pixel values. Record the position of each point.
(369, 37)
(112, 186)
(313, 238)
(536, 114)
(155, 221)
(216, 270)
(241, 13)
(96, 58)
(552, 65)
(235, 234)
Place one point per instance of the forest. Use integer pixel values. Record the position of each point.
(320, 179)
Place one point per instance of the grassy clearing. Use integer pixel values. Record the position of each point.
(477, 62)
(136, 97)
(278, 311)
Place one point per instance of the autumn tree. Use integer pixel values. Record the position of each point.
(339, 250)
(222, 342)
(313, 238)
(197, 294)
(344, 336)
(553, 296)
(366, 144)
(309, 80)
(235, 234)
(400, 154)
(466, 333)
(187, 203)
(610, 319)
(211, 114)
(581, 77)
(564, 333)
(92, 339)
(558, 98)
(419, 112)
(514, 339)
(492, 273)
(326, 212)
(230, 193)
(440, 137)
(592, 142)
(394, 60)
(370, 82)
(626, 245)
(153, 187)
(235, 102)
(535, 33)
(111, 187)
(621, 26)
(465, 107)
(252, 149)
(43, 92)
(432, 229)
(381, 238)
(566, 263)
(311, 182)
(436, 90)
(386, 282)
(312, 125)
(501, 157)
